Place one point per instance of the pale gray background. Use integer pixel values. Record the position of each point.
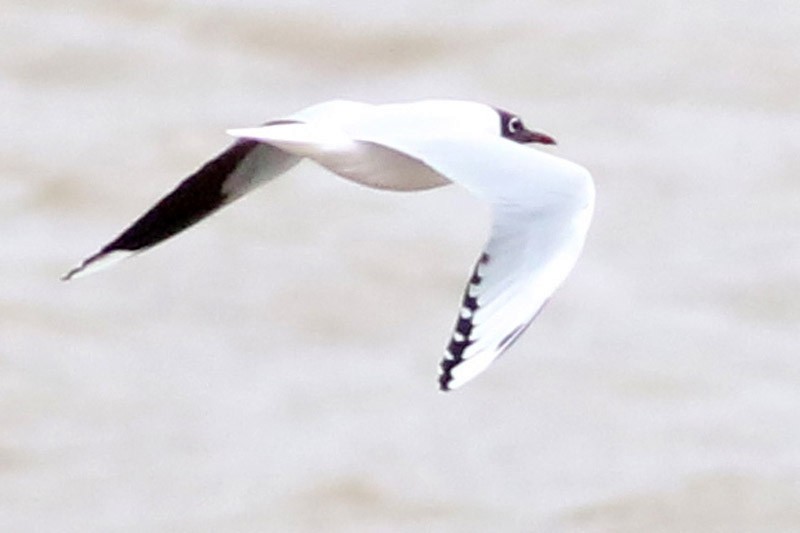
(274, 368)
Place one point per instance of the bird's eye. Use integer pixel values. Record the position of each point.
(514, 124)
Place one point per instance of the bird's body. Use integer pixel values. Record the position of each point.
(542, 204)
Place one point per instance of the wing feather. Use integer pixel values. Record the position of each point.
(522, 265)
(240, 168)
(542, 208)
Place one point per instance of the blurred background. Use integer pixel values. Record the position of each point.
(274, 369)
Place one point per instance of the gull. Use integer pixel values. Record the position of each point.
(542, 205)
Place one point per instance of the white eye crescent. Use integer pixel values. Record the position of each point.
(514, 124)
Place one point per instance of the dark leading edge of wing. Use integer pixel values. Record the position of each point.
(193, 199)
(462, 336)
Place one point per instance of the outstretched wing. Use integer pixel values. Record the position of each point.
(542, 207)
(236, 171)
(529, 254)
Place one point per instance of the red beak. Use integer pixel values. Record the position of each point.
(528, 136)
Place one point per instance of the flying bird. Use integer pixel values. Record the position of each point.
(542, 205)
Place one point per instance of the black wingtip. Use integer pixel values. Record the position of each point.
(102, 259)
(71, 273)
(462, 334)
(445, 377)
(193, 199)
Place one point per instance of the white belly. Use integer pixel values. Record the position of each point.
(379, 167)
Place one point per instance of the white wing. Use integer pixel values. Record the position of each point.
(529, 254)
(542, 207)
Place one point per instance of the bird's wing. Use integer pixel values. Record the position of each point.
(243, 166)
(529, 254)
(542, 207)
(239, 169)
